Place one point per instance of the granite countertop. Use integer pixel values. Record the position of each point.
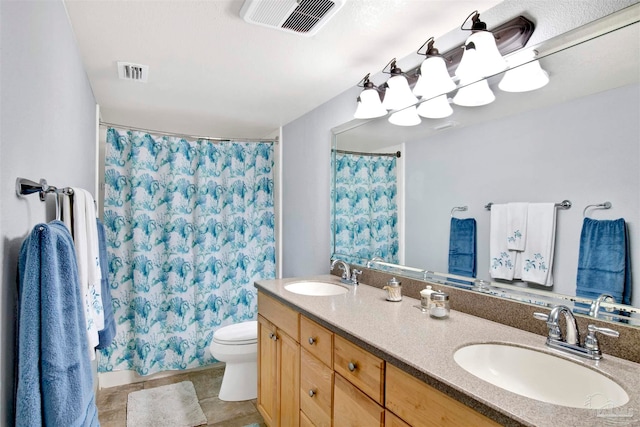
(404, 336)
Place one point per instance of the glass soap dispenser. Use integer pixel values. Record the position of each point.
(439, 308)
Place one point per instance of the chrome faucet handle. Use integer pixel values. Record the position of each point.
(541, 316)
(554, 328)
(354, 275)
(591, 341)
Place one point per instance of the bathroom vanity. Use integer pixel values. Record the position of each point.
(357, 359)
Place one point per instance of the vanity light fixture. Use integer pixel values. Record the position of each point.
(398, 94)
(482, 54)
(407, 117)
(369, 104)
(434, 78)
(474, 89)
(474, 94)
(433, 84)
(436, 108)
(525, 73)
(489, 60)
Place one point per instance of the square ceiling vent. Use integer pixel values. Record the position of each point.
(304, 17)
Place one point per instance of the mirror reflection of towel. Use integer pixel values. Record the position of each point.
(537, 258)
(517, 226)
(462, 247)
(604, 260)
(502, 260)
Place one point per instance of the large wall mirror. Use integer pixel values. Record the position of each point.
(576, 139)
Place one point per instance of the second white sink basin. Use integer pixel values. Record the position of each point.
(541, 376)
(316, 288)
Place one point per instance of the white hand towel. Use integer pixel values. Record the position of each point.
(537, 257)
(502, 261)
(517, 225)
(85, 239)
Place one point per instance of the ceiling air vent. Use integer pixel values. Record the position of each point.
(135, 72)
(303, 17)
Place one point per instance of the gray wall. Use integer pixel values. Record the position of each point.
(306, 141)
(306, 144)
(585, 150)
(48, 131)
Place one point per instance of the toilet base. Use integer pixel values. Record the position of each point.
(240, 382)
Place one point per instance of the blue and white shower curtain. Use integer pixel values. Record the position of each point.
(365, 215)
(190, 227)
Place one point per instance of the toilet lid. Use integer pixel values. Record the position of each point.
(239, 333)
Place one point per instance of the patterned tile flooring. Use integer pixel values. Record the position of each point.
(112, 402)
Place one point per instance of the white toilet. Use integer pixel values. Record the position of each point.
(237, 346)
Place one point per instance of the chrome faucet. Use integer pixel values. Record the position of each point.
(348, 276)
(594, 310)
(570, 341)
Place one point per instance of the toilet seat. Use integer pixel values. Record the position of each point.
(237, 334)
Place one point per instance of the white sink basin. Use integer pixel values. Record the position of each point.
(316, 288)
(541, 376)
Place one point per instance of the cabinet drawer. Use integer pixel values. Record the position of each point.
(316, 389)
(282, 316)
(353, 408)
(422, 405)
(317, 340)
(362, 368)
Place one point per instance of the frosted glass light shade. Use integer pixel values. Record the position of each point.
(490, 61)
(474, 95)
(398, 94)
(469, 67)
(369, 106)
(436, 108)
(434, 78)
(407, 117)
(524, 78)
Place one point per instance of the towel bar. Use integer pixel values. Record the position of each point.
(458, 208)
(565, 204)
(605, 205)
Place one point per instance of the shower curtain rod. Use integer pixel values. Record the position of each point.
(396, 154)
(182, 135)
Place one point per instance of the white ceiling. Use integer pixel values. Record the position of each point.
(211, 73)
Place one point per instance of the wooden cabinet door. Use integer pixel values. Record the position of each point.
(353, 408)
(267, 371)
(289, 380)
(391, 420)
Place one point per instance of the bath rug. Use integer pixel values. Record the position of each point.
(173, 405)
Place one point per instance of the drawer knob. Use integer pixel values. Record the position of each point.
(312, 340)
(352, 366)
(312, 393)
(273, 336)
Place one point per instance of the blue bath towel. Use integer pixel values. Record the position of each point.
(462, 247)
(54, 378)
(604, 260)
(106, 335)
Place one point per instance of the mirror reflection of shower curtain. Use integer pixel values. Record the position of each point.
(365, 217)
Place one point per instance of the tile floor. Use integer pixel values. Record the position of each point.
(112, 402)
